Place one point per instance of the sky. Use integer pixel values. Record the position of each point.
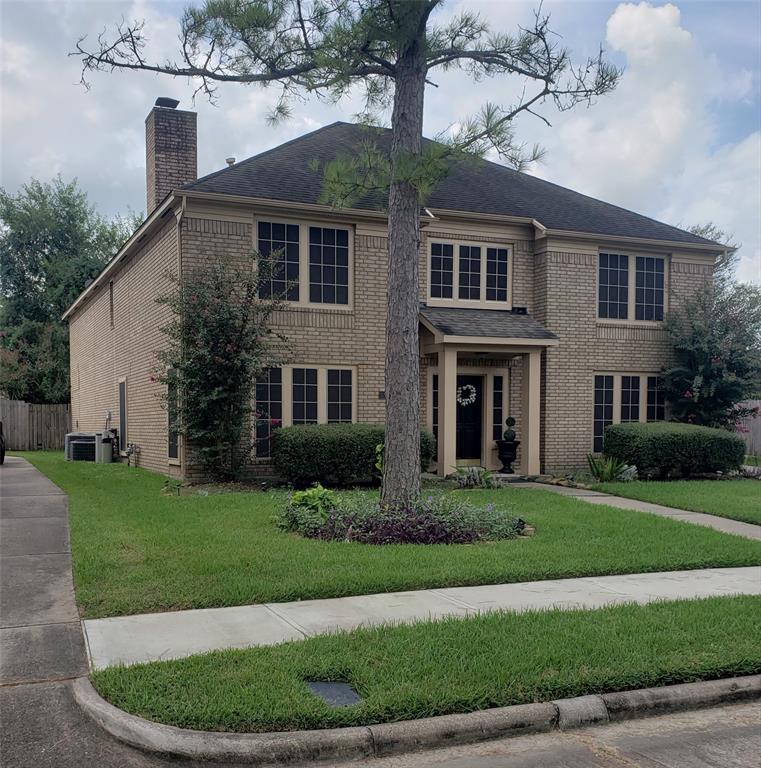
(678, 140)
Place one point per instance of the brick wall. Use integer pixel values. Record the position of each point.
(566, 302)
(101, 354)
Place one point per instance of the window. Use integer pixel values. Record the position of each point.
(111, 301)
(497, 411)
(269, 409)
(339, 396)
(496, 274)
(173, 435)
(649, 288)
(123, 415)
(603, 409)
(442, 270)
(629, 398)
(328, 265)
(631, 294)
(613, 286)
(435, 410)
(470, 272)
(656, 400)
(281, 243)
(304, 395)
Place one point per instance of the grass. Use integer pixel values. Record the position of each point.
(736, 499)
(454, 665)
(136, 550)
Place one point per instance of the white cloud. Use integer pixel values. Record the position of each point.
(650, 145)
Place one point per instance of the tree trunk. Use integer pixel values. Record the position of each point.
(401, 461)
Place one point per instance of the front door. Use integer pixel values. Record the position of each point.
(470, 406)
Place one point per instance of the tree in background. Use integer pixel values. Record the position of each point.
(217, 344)
(51, 242)
(717, 338)
(390, 50)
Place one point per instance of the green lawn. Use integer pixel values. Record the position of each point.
(136, 550)
(455, 665)
(738, 499)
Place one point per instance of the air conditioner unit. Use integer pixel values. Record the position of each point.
(82, 450)
(81, 437)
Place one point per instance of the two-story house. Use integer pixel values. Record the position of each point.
(536, 302)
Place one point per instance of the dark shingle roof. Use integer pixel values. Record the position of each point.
(455, 321)
(288, 173)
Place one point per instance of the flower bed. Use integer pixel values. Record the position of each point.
(441, 519)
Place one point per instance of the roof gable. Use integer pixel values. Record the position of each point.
(287, 173)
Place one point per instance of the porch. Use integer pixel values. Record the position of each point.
(478, 367)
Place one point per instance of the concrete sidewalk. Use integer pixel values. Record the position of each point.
(156, 636)
(723, 524)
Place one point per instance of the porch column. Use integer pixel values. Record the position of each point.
(530, 412)
(447, 411)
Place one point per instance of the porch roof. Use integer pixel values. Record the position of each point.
(488, 326)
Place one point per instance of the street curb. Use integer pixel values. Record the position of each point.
(293, 747)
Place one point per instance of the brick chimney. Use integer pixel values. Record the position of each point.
(171, 149)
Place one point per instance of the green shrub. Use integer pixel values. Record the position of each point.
(475, 477)
(606, 468)
(307, 511)
(663, 449)
(440, 519)
(334, 454)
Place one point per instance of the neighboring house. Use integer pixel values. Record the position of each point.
(536, 302)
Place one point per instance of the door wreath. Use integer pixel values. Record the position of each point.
(466, 395)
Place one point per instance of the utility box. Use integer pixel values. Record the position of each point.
(103, 450)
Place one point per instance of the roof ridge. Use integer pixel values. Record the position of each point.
(266, 152)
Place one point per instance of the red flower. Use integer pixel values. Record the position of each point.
(688, 394)
(152, 379)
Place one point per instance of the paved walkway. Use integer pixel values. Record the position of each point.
(41, 642)
(723, 524)
(155, 636)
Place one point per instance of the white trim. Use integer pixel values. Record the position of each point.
(481, 302)
(304, 281)
(322, 390)
(631, 304)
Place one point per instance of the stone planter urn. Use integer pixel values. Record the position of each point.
(507, 447)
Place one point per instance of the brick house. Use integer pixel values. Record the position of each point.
(536, 302)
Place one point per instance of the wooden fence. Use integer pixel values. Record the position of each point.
(32, 427)
(750, 430)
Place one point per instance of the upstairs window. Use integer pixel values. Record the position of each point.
(328, 265)
(470, 272)
(649, 288)
(613, 286)
(280, 244)
(442, 270)
(631, 288)
(496, 274)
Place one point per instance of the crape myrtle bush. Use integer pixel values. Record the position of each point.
(335, 454)
(663, 449)
(439, 519)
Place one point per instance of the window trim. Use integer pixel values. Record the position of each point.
(303, 225)
(123, 434)
(617, 376)
(455, 301)
(322, 392)
(175, 461)
(631, 320)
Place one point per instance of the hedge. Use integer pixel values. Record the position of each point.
(662, 449)
(334, 454)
